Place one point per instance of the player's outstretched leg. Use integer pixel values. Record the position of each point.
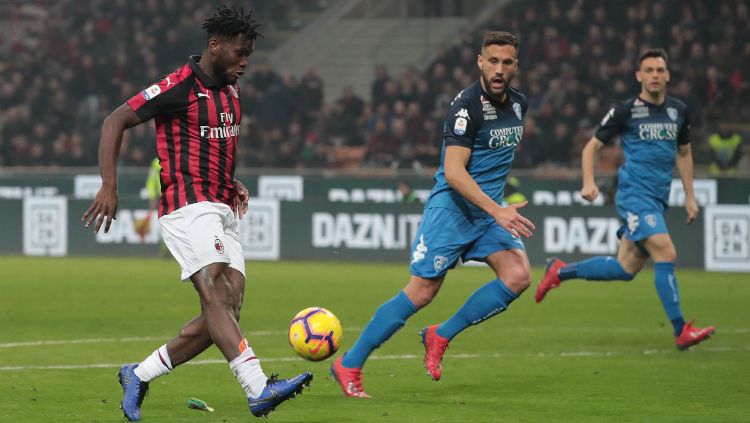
(277, 391)
(692, 335)
(434, 349)
(490, 299)
(350, 380)
(133, 390)
(387, 320)
(599, 268)
(550, 279)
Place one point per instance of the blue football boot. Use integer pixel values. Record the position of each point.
(276, 392)
(133, 389)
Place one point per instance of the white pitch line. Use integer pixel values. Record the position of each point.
(119, 340)
(561, 354)
(252, 334)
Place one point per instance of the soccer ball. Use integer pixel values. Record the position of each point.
(315, 334)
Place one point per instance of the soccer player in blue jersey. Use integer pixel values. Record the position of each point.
(464, 217)
(654, 132)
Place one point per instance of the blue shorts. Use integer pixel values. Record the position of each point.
(444, 235)
(641, 225)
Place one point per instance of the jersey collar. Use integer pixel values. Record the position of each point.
(653, 104)
(206, 80)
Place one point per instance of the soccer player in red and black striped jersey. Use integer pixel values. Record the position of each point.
(197, 113)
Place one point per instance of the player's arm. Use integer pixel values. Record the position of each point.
(590, 191)
(104, 207)
(455, 161)
(611, 125)
(684, 161)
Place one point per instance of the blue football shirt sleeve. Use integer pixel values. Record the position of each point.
(460, 125)
(612, 124)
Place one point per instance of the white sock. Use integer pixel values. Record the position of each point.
(246, 368)
(155, 365)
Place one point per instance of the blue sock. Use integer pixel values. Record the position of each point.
(669, 294)
(388, 318)
(600, 268)
(490, 299)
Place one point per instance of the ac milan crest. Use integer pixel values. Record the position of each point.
(219, 246)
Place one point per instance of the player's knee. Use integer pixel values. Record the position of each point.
(422, 298)
(518, 280)
(192, 330)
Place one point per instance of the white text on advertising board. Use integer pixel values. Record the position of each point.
(588, 235)
(364, 230)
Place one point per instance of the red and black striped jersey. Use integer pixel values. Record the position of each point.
(197, 131)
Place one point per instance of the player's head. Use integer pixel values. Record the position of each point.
(652, 72)
(498, 62)
(231, 36)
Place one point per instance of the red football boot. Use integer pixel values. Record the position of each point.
(550, 279)
(691, 335)
(434, 348)
(349, 379)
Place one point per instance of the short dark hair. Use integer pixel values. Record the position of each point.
(500, 38)
(653, 52)
(229, 23)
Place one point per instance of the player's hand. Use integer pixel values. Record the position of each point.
(240, 198)
(691, 207)
(589, 192)
(510, 219)
(102, 210)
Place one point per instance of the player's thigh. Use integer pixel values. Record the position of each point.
(630, 256)
(442, 237)
(661, 248)
(233, 247)
(212, 285)
(195, 236)
(647, 229)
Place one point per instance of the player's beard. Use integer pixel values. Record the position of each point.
(497, 95)
(220, 72)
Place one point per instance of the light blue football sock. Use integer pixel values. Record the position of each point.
(669, 294)
(490, 299)
(388, 319)
(600, 268)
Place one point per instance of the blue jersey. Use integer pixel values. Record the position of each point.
(492, 130)
(649, 136)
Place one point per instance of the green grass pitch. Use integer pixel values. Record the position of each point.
(597, 352)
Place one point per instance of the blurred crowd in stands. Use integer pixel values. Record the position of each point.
(66, 66)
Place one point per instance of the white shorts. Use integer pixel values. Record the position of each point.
(200, 234)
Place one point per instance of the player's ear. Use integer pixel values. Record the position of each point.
(479, 61)
(638, 76)
(213, 46)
